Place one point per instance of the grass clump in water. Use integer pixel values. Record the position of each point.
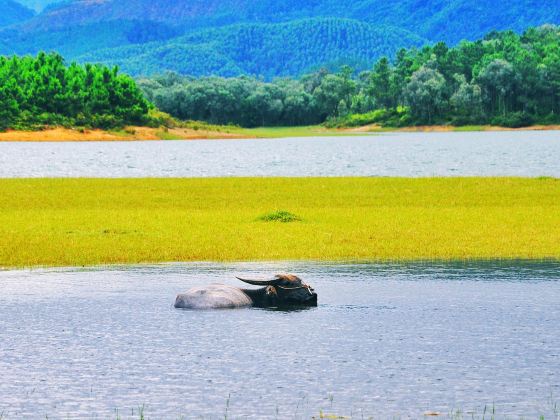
(281, 216)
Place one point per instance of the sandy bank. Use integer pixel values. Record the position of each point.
(59, 134)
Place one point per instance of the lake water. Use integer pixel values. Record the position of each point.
(386, 340)
(528, 153)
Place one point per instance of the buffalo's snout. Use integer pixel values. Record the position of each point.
(313, 299)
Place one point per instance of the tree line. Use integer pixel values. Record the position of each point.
(248, 101)
(43, 90)
(504, 79)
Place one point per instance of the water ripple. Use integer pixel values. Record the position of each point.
(530, 153)
(387, 340)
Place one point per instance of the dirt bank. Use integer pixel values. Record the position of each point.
(127, 134)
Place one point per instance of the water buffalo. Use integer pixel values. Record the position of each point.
(284, 290)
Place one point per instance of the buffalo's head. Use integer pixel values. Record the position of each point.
(286, 290)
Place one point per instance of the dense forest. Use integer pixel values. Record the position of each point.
(43, 90)
(267, 38)
(267, 50)
(435, 20)
(504, 79)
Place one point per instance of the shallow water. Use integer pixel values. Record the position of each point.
(528, 153)
(386, 340)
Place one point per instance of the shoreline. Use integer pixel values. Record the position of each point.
(60, 134)
(341, 261)
(447, 129)
(135, 133)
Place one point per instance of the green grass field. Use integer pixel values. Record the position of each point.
(283, 132)
(318, 130)
(78, 222)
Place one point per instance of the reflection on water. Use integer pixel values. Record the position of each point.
(402, 154)
(386, 340)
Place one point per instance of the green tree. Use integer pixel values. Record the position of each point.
(467, 101)
(381, 85)
(498, 81)
(425, 93)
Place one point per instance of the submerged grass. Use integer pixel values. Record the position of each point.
(73, 222)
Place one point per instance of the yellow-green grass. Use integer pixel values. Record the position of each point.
(283, 132)
(74, 222)
(318, 130)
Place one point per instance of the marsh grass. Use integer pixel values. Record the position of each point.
(227, 407)
(75, 222)
(486, 412)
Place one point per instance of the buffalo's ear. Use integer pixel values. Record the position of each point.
(271, 291)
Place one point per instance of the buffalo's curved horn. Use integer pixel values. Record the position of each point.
(269, 282)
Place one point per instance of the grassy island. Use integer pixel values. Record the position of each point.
(73, 222)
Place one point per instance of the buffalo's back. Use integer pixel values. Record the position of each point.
(215, 296)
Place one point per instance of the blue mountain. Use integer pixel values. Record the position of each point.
(12, 12)
(265, 37)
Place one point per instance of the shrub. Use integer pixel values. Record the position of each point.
(514, 120)
(394, 117)
(281, 216)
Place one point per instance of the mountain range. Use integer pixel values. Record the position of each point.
(37, 5)
(12, 12)
(260, 37)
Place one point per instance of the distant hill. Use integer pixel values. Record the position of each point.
(38, 5)
(263, 49)
(73, 41)
(268, 37)
(12, 12)
(436, 20)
